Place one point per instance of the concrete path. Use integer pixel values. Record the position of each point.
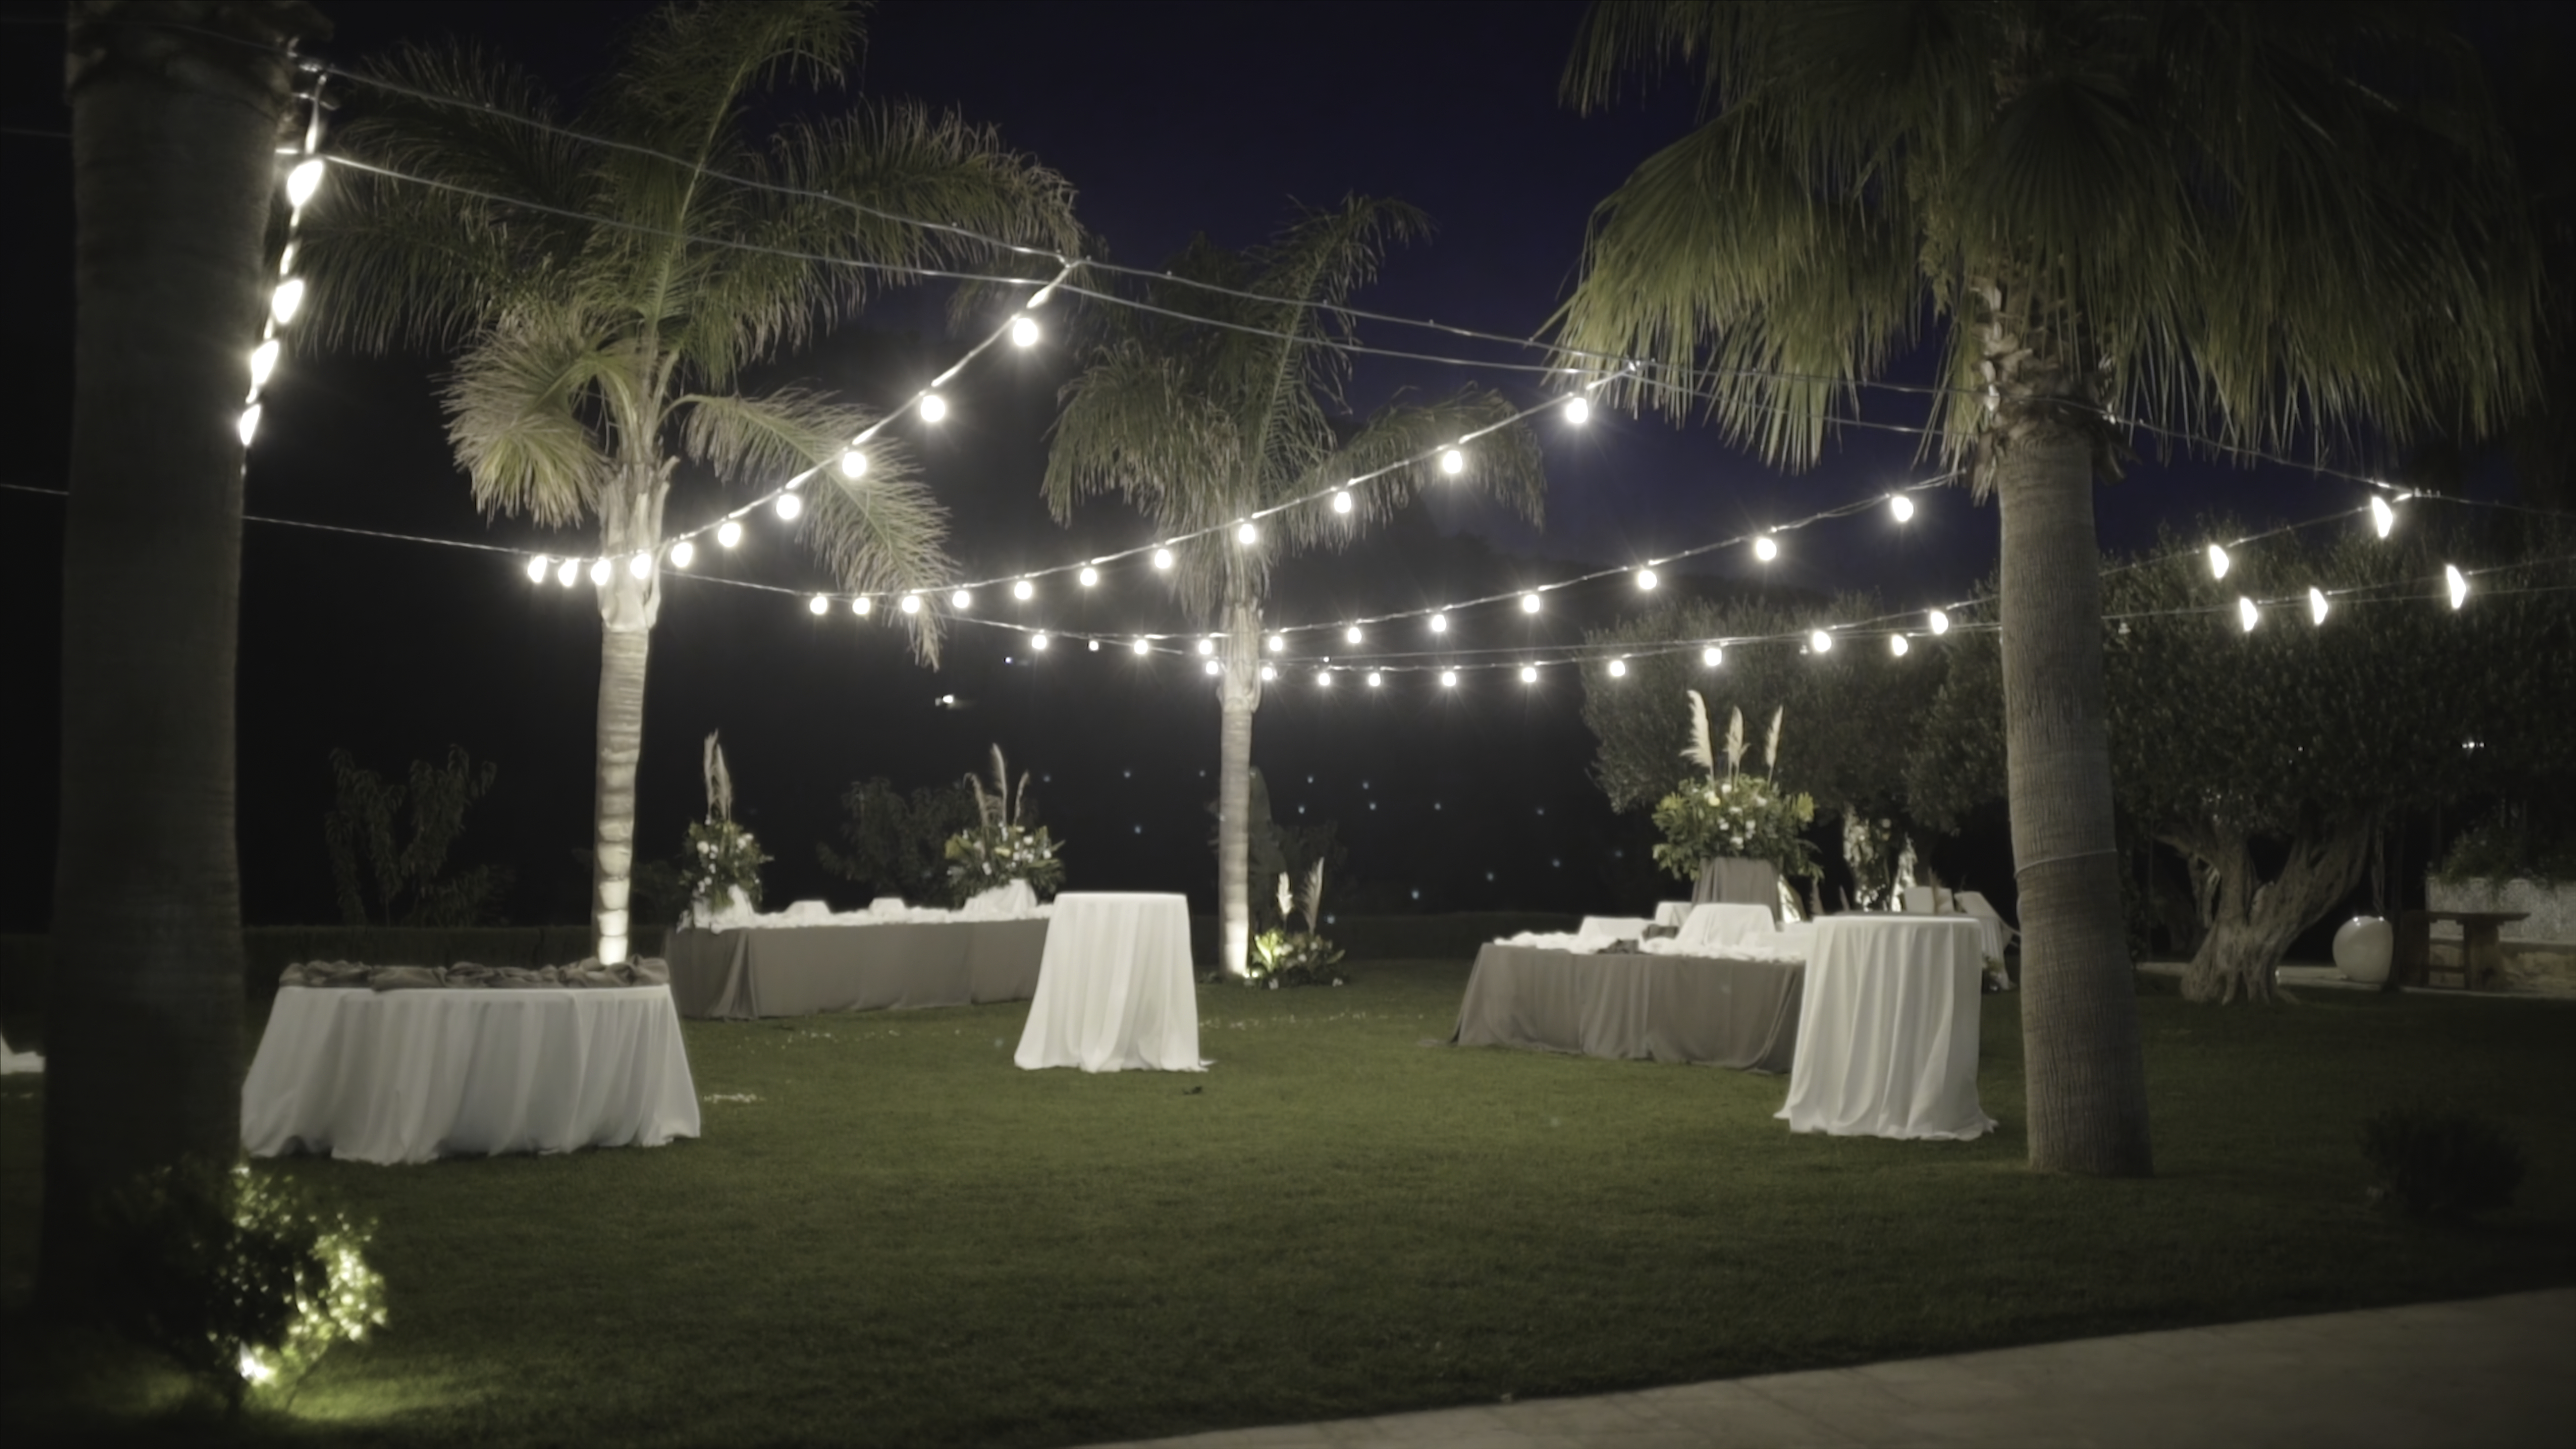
(2492, 1372)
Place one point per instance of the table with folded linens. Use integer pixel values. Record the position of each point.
(1724, 992)
(1887, 1033)
(406, 1076)
(1115, 990)
(896, 965)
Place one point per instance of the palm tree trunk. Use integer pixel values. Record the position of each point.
(173, 142)
(2087, 1080)
(1239, 695)
(627, 609)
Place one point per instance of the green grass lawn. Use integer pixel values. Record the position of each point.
(903, 1239)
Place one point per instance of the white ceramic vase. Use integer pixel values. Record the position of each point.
(2362, 947)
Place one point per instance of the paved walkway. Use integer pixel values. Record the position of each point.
(2492, 1372)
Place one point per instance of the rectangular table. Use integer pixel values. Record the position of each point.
(1887, 1035)
(1115, 991)
(408, 1076)
(1741, 1014)
(899, 965)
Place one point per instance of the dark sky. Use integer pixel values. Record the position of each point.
(1171, 120)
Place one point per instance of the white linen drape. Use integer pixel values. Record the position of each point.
(1114, 988)
(1887, 1032)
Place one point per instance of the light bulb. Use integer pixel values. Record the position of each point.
(2382, 517)
(1439, 623)
(286, 259)
(1092, 644)
(1375, 679)
(1618, 669)
(1453, 462)
(1323, 679)
(1821, 642)
(933, 407)
(640, 566)
(303, 181)
(729, 533)
(854, 464)
(1712, 656)
(1268, 674)
(2247, 616)
(1278, 643)
(2317, 605)
(1940, 621)
(960, 599)
(1529, 672)
(682, 552)
(1090, 576)
(861, 606)
(910, 603)
(1207, 646)
(1139, 646)
(2217, 562)
(818, 604)
(537, 568)
(1024, 591)
(248, 425)
(1897, 646)
(1766, 548)
(567, 571)
(1038, 642)
(1902, 507)
(1578, 411)
(1213, 667)
(599, 571)
(1448, 679)
(263, 361)
(1529, 603)
(1342, 500)
(1024, 331)
(1244, 532)
(1352, 634)
(283, 302)
(788, 506)
(1162, 558)
(1646, 578)
(2459, 584)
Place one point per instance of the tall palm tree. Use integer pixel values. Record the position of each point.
(1237, 405)
(605, 325)
(177, 113)
(2260, 222)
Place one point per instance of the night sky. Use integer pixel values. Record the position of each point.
(1170, 120)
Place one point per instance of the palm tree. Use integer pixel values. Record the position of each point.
(605, 325)
(175, 131)
(1207, 418)
(2266, 223)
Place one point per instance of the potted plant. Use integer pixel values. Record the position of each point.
(723, 862)
(1737, 834)
(1001, 848)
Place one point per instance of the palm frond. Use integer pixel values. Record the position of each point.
(514, 415)
(769, 438)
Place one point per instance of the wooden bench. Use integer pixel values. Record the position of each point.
(2481, 948)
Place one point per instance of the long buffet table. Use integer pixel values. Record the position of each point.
(895, 965)
(1697, 1009)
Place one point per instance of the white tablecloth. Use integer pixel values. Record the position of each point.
(1887, 1033)
(1713, 924)
(408, 1076)
(1114, 989)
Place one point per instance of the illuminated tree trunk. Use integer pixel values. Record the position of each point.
(628, 607)
(173, 173)
(1239, 695)
(2251, 922)
(2087, 1091)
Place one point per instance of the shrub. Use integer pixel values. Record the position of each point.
(2440, 1164)
(239, 1277)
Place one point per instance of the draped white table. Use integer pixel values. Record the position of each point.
(1887, 1032)
(408, 1076)
(1114, 988)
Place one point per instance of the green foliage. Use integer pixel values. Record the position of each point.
(1004, 843)
(2511, 844)
(1273, 851)
(1281, 957)
(239, 1277)
(1738, 815)
(2441, 1165)
(723, 857)
(387, 875)
(898, 845)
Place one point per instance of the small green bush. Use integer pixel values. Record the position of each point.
(2445, 1165)
(238, 1277)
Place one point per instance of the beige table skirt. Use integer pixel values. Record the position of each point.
(1741, 1014)
(898, 966)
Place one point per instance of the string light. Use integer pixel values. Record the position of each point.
(1207, 645)
(1645, 578)
(819, 605)
(854, 464)
(1138, 646)
(1351, 634)
(1712, 656)
(1342, 500)
(909, 603)
(263, 361)
(537, 568)
(729, 533)
(1453, 462)
(2247, 615)
(303, 181)
(1093, 644)
(1245, 533)
(1529, 672)
(567, 571)
(1897, 646)
(283, 303)
(1215, 668)
(961, 600)
(2217, 562)
(1374, 680)
(2382, 517)
(933, 407)
(1448, 679)
(861, 606)
(1618, 669)
(1529, 603)
(1024, 331)
(2458, 584)
(1439, 623)
(248, 424)
(1821, 642)
(1323, 679)
(682, 552)
(1766, 548)
(1901, 506)
(1940, 621)
(788, 506)
(1038, 642)
(2317, 605)
(1268, 674)
(640, 566)
(1090, 576)
(1024, 591)
(1278, 643)
(599, 571)
(1578, 411)
(1162, 558)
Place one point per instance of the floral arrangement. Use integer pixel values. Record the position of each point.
(1734, 814)
(1304, 958)
(1001, 847)
(723, 861)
